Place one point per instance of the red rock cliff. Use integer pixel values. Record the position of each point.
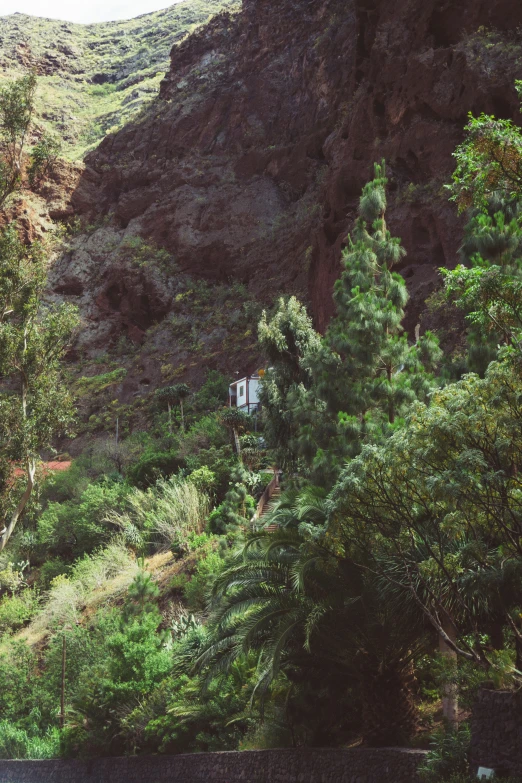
(250, 164)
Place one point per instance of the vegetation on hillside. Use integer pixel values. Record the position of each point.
(381, 588)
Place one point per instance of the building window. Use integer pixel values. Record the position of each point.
(241, 391)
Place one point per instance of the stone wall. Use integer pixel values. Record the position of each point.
(496, 730)
(354, 765)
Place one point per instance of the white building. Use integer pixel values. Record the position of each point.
(244, 393)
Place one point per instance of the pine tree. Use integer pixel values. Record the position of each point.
(379, 371)
(288, 339)
(237, 507)
(141, 596)
(487, 285)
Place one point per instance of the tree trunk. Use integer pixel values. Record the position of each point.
(518, 659)
(30, 469)
(391, 406)
(237, 443)
(389, 712)
(450, 703)
(62, 690)
(19, 510)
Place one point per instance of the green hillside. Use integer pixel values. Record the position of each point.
(95, 78)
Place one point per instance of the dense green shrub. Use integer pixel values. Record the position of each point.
(220, 461)
(16, 743)
(214, 392)
(153, 465)
(197, 589)
(448, 755)
(16, 610)
(71, 529)
(53, 567)
(167, 514)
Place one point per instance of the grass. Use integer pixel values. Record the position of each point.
(173, 510)
(101, 579)
(96, 579)
(96, 78)
(96, 383)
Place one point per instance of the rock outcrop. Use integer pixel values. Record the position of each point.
(240, 181)
(250, 164)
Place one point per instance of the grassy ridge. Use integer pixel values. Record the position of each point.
(95, 78)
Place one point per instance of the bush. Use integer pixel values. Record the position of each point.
(205, 433)
(221, 461)
(152, 466)
(69, 594)
(17, 610)
(448, 755)
(52, 568)
(43, 158)
(171, 512)
(202, 478)
(197, 590)
(214, 392)
(178, 582)
(71, 529)
(16, 743)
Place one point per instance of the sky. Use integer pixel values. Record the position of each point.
(84, 10)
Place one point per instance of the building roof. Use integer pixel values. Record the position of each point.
(253, 377)
(48, 467)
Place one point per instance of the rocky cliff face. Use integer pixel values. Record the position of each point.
(241, 180)
(250, 164)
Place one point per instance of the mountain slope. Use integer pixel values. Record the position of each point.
(94, 78)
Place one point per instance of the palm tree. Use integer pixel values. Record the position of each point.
(303, 609)
(174, 395)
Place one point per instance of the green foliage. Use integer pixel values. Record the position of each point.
(489, 285)
(35, 405)
(237, 507)
(442, 534)
(72, 528)
(489, 161)
(16, 114)
(153, 465)
(377, 372)
(286, 339)
(16, 610)
(136, 660)
(221, 461)
(448, 755)
(95, 384)
(49, 570)
(203, 479)
(43, 158)
(18, 743)
(63, 485)
(324, 398)
(213, 394)
(173, 394)
(169, 513)
(205, 433)
(141, 596)
(198, 588)
(236, 419)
